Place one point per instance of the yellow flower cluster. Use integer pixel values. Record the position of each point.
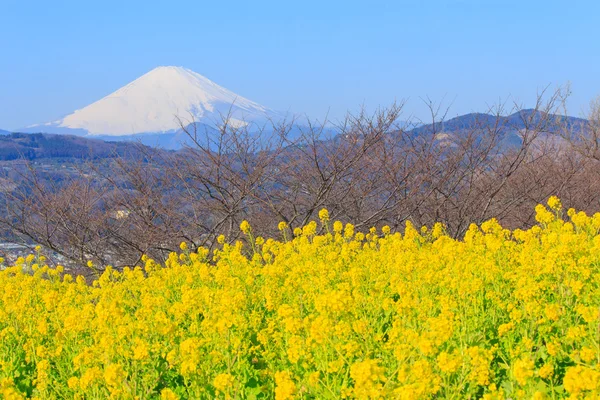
(340, 314)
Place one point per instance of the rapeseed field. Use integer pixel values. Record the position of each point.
(321, 312)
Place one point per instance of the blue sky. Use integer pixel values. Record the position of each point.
(304, 56)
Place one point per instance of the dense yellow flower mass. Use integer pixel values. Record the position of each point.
(342, 314)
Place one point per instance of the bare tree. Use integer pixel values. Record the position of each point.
(368, 169)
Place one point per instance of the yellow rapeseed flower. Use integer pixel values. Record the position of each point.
(324, 215)
(554, 203)
(223, 382)
(285, 388)
(168, 394)
(245, 227)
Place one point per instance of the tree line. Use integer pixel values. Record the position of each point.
(369, 169)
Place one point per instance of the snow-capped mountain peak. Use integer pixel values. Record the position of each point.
(154, 102)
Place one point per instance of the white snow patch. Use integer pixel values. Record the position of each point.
(155, 101)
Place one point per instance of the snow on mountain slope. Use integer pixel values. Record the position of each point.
(153, 102)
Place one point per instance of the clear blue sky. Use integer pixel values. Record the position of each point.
(304, 56)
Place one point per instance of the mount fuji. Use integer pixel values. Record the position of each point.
(154, 107)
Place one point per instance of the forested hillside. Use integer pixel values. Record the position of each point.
(28, 146)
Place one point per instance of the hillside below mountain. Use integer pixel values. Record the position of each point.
(27, 146)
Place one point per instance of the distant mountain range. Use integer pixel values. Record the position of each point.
(510, 126)
(147, 111)
(35, 146)
(515, 121)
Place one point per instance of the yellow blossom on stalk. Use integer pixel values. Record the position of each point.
(479, 360)
(285, 388)
(523, 370)
(140, 351)
(314, 378)
(575, 332)
(542, 215)
(223, 382)
(448, 363)
(295, 348)
(73, 382)
(596, 221)
(579, 379)
(168, 394)
(245, 227)
(580, 219)
(349, 230)
(282, 226)
(554, 203)
(553, 312)
(114, 375)
(438, 230)
(553, 348)
(42, 379)
(504, 328)
(539, 395)
(90, 377)
(324, 215)
(410, 232)
(338, 227)
(310, 229)
(368, 377)
(183, 246)
(40, 351)
(589, 314)
(546, 371)
(588, 354)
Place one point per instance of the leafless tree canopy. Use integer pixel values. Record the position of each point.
(370, 170)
